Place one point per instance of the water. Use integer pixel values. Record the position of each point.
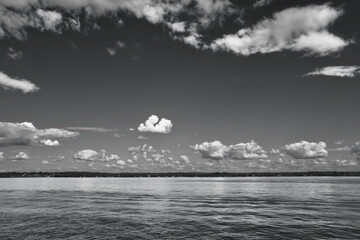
(180, 208)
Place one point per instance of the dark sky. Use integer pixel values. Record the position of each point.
(122, 62)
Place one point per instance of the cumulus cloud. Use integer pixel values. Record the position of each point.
(21, 156)
(49, 142)
(18, 15)
(9, 83)
(92, 155)
(355, 149)
(184, 159)
(155, 126)
(13, 23)
(177, 26)
(306, 150)
(27, 134)
(241, 151)
(337, 71)
(297, 29)
(346, 163)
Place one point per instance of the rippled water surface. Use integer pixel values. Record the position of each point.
(180, 208)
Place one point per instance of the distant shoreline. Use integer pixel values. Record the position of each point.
(181, 174)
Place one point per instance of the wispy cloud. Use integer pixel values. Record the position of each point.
(93, 129)
(296, 29)
(9, 83)
(337, 71)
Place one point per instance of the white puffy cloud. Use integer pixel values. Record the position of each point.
(87, 155)
(27, 134)
(92, 155)
(355, 149)
(155, 126)
(9, 83)
(14, 23)
(49, 142)
(120, 162)
(297, 29)
(240, 151)
(275, 151)
(177, 26)
(30, 14)
(250, 150)
(50, 19)
(166, 151)
(321, 43)
(157, 157)
(21, 156)
(184, 158)
(337, 71)
(306, 150)
(345, 163)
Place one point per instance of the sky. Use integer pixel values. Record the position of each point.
(190, 85)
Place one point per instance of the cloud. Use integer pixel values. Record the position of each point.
(306, 150)
(93, 129)
(155, 126)
(13, 23)
(296, 29)
(1, 156)
(241, 151)
(142, 138)
(50, 19)
(87, 155)
(184, 159)
(23, 85)
(355, 149)
(14, 54)
(262, 3)
(177, 26)
(337, 71)
(45, 162)
(113, 50)
(275, 151)
(17, 15)
(27, 134)
(346, 163)
(339, 149)
(21, 156)
(92, 155)
(120, 162)
(49, 142)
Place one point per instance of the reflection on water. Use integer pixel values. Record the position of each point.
(180, 208)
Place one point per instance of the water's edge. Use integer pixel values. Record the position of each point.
(182, 174)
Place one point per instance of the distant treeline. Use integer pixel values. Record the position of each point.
(178, 174)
